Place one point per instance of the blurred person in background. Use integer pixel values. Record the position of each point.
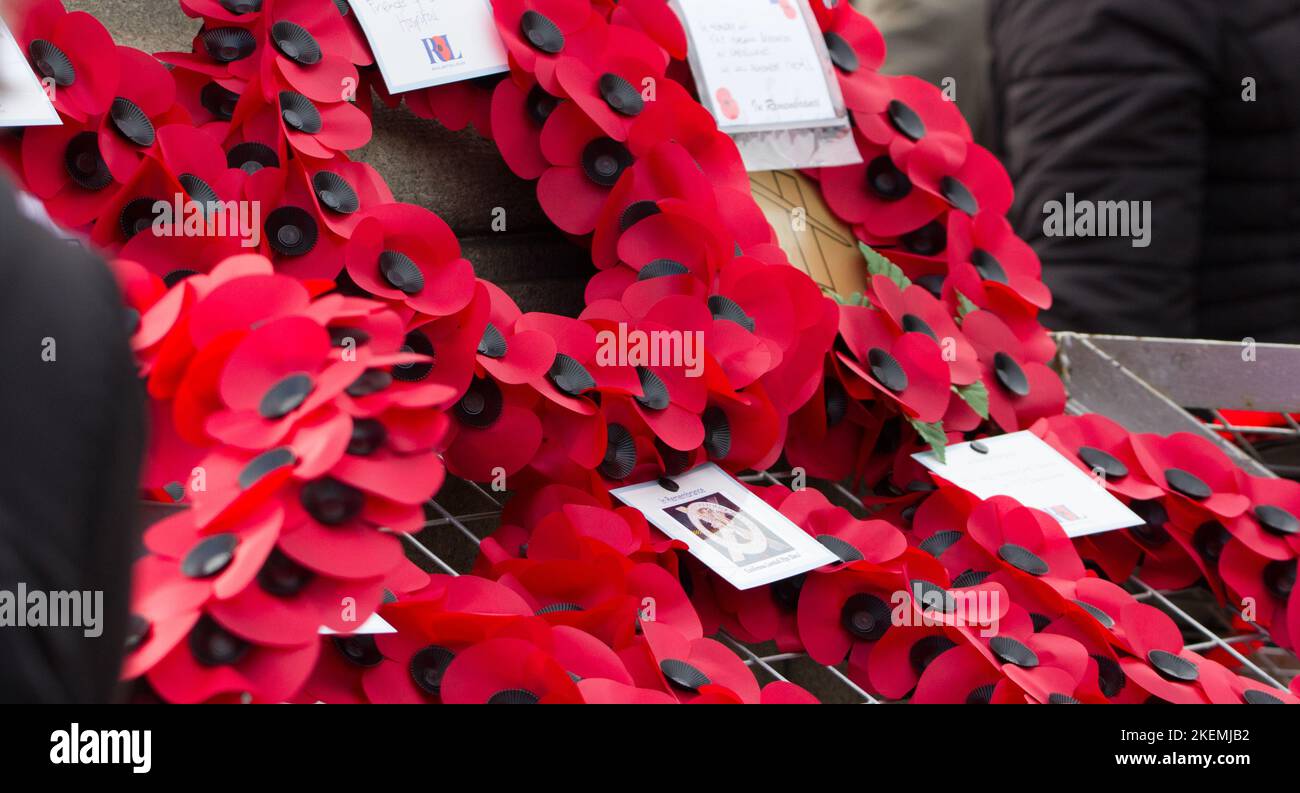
(69, 458)
(1187, 108)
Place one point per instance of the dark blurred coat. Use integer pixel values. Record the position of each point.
(71, 435)
(1143, 100)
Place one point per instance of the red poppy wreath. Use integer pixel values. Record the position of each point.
(313, 379)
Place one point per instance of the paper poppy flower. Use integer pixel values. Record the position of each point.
(913, 309)
(496, 429)
(857, 49)
(1223, 687)
(960, 675)
(585, 164)
(334, 529)
(672, 240)
(1100, 446)
(1159, 664)
(1024, 539)
(609, 85)
(518, 114)
(141, 105)
(435, 625)
(146, 204)
(657, 20)
(576, 531)
(187, 569)
(269, 389)
(294, 233)
(458, 105)
(688, 669)
(907, 368)
(238, 292)
(243, 12)
(74, 54)
(852, 606)
(1001, 260)
(674, 118)
(917, 126)
(1046, 667)
(1193, 472)
(213, 663)
(408, 255)
(345, 192)
(1268, 584)
(963, 286)
(664, 181)
(1021, 390)
(203, 222)
(307, 51)
(507, 354)
(290, 603)
(893, 666)
(186, 653)
(317, 129)
(538, 33)
(64, 166)
(831, 432)
(1269, 527)
(669, 400)
(507, 671)
(879, 194)
(589, 594)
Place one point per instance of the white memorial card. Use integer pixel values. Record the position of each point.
(1023, 466)
(23, 102)
(762, 70)
(422, 43)
(759, 65)
(734, 532)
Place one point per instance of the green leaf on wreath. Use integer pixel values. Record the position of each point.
(877, 264)
(976, 395)
(964, 306)
(933, 434)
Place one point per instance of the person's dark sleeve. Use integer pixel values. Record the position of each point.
(70, 451)
(1107, 99)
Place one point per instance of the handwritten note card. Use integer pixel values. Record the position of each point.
(421, 43)
(23, 102)
(758, 64)
(1021, 465)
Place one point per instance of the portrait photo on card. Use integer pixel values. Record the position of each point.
(719, 522)
(727, 527)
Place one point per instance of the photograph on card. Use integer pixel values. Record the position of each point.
(720, 523)
(727, 527)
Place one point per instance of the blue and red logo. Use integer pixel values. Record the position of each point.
(440, 50)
